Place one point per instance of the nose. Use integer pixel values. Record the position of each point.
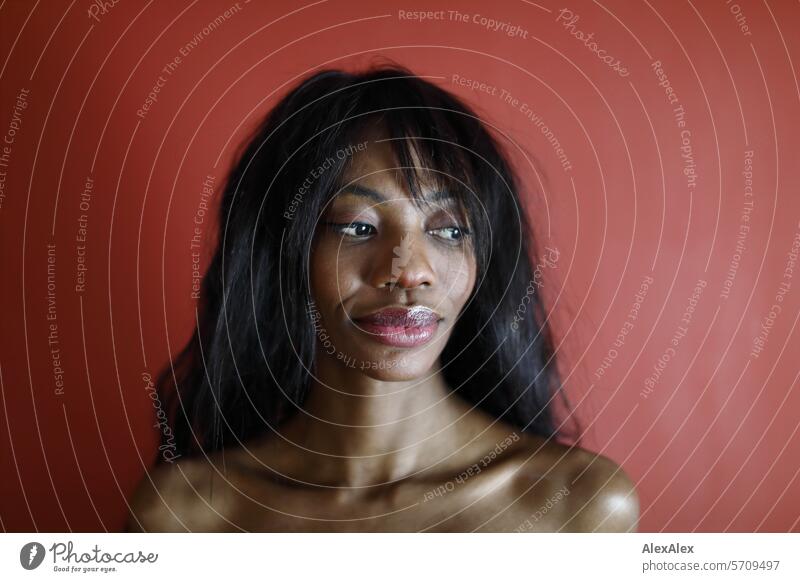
(406, 264)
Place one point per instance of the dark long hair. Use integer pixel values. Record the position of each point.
(246, 368)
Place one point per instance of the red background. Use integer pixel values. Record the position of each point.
(714, 447)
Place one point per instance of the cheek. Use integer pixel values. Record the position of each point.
(459, 278)
(333, 277)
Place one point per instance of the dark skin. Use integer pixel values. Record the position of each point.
(388, 448)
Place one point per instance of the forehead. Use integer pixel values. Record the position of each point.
(375, 194)
(376, 160)
(376, 167)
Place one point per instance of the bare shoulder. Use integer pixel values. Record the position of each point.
(174, 497)
(577, 490)
(605, 496)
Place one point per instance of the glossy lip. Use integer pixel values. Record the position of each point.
(401, 326)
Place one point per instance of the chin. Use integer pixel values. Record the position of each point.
(414, 370)
(388, 363)
(397, 365)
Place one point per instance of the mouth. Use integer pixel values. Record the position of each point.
(401, 327)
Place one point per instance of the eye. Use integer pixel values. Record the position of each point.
(353, 229)
(450, 233)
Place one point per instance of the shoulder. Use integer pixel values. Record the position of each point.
(173, 497)
(605, 497)
(582, 490)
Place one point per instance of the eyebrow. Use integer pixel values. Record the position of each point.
(374, 195)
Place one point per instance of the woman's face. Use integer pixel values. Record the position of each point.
(389, 278)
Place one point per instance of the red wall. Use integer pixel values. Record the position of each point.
(712, 444)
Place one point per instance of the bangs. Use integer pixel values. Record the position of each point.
(437, 141)
(432, 143)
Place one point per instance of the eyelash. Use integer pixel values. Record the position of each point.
(339, 228)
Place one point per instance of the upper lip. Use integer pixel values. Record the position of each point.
(412, 316)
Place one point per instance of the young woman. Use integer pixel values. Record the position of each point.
(370, 355)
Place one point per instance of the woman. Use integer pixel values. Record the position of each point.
(369, 354)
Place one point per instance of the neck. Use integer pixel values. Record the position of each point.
(357, 431)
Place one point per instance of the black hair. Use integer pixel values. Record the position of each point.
(247, 365)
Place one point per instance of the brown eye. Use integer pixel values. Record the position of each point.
(450, 233)
(353, 229)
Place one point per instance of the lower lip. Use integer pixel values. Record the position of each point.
(400, 336)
